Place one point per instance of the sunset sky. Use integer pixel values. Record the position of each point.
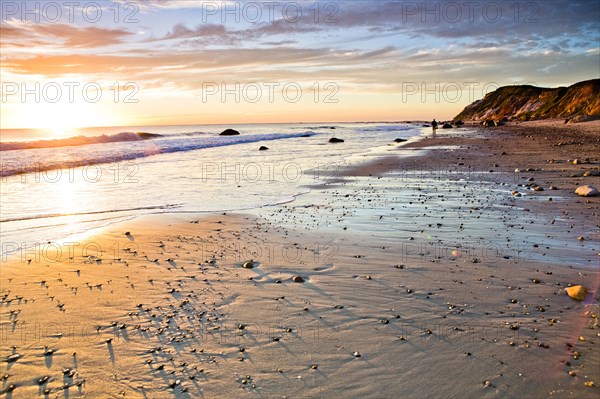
(169, 61)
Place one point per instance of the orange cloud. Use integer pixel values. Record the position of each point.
(61, 35)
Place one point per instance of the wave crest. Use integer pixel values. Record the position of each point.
(78, 140)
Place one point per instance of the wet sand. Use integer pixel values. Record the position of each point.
(423, 276)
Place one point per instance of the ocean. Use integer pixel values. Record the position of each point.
(55, 188)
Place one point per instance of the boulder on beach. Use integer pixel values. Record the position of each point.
(335, 140)
(229, 132)
(576, 292)
(263, 148)
(400, 140)
(489, 123)
(582, 118)
(586, 191)
(446, 126)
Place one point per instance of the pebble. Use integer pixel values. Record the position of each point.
(13, 358)
(297, 279)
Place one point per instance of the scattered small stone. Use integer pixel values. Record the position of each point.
(586, 191)
(297, 279)
(576, 292)
(13, 358)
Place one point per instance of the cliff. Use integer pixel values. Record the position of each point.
(532, 103)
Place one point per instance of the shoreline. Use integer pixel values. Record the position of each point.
(498, 326)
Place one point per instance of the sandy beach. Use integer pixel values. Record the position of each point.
(453, 286)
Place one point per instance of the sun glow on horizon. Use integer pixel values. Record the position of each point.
(58, 120)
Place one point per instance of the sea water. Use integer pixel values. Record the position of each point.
(53, 188)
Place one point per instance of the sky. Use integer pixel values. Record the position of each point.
(68, 64)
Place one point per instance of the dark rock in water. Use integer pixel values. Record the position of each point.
(426, 125)
(229, 132)
(263, 148)
(400, 140)
(489, 123)
(147, 136)
(447, 126)
(335, 140)
(332, 127)
(459, 123)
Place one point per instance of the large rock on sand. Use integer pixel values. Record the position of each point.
(577, 292)
(335, 140)
(229, 132)
(586, 191)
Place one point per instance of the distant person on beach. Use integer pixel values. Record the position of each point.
(434, 125)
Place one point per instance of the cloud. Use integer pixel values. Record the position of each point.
(61, 35)
(180, 31)
(373, 48)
